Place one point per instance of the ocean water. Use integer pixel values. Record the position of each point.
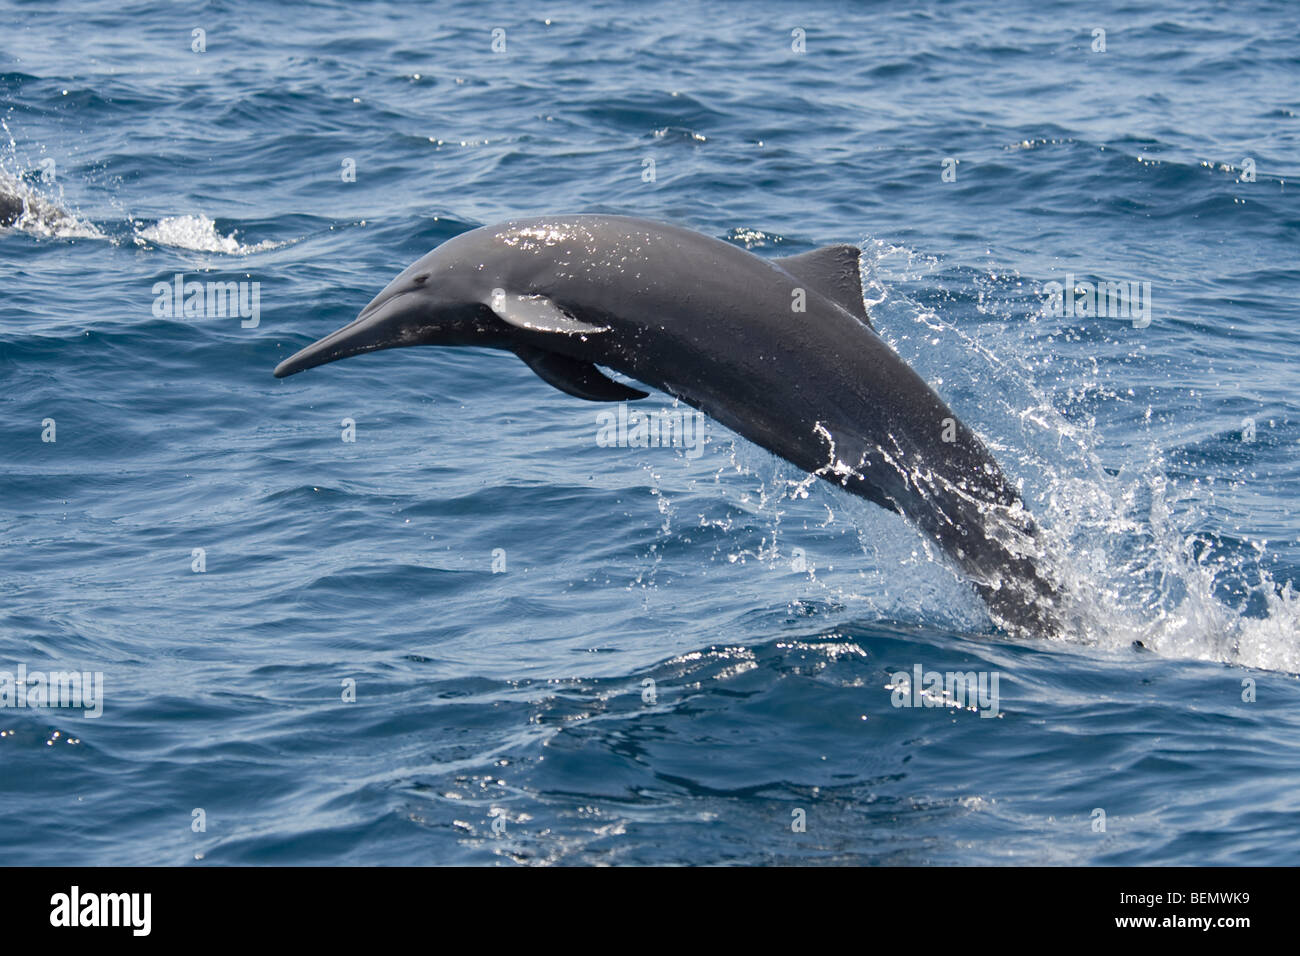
(473, 634)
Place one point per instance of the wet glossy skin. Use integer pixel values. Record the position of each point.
(713, 325)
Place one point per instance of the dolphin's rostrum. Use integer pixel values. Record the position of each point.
(779, 350)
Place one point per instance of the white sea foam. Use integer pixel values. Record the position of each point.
(199, 234)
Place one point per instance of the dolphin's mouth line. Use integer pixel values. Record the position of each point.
(375, 305)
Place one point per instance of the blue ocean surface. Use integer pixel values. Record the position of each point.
(475, 634)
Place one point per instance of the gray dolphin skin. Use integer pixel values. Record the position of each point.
(721, 329)
(11, 208)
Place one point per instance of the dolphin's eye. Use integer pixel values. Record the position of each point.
(421, 279)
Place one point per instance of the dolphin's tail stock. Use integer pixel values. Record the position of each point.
(955, 493)
(1016, 586)
(987, 532)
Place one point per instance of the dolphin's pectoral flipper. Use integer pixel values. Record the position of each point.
(536, 313)
(577, 378)
(832, 271)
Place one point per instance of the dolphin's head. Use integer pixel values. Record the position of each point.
(428, 304)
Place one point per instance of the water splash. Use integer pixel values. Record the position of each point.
(198, 234)
(40, 213)
(1122, 540)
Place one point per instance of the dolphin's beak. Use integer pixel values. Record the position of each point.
(379, 326)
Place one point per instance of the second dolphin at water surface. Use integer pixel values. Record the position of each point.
(23, 207)
(779, 350)
(11, 208)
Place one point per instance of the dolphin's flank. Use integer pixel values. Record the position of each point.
(781, 351)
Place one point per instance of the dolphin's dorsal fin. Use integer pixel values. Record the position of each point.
(536, 313)
(832, 271)
(576, 377)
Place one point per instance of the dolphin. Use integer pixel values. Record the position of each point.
(781, 351)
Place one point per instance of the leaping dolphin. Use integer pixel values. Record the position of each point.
(781, 351)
